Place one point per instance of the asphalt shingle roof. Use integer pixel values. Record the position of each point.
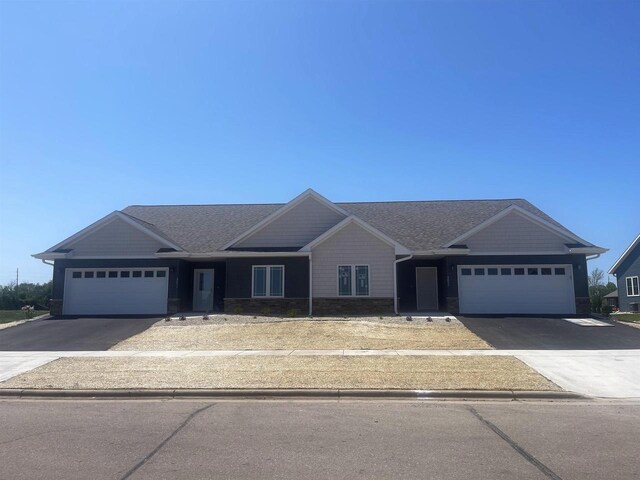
(422, 225)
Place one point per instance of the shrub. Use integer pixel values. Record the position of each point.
(292, 312)
(606, 310)
(237, 310)
(266, 311)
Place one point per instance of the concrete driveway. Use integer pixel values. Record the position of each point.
(71, 334)
(534, 333)
(592, 361)
(594, 373)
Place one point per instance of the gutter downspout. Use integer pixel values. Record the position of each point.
(46, 263)
(310, 285)
(597, 255)
(395, 280)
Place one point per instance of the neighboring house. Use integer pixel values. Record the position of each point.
(611, 299)
(627, 272)
(313, 256)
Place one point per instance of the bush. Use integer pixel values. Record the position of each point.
(596, 304)
(606, 310)
(292, 312)
(14, 297)
(266, 311)
(238, 310)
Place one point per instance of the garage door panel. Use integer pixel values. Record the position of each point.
(119, 295)
(512, 294)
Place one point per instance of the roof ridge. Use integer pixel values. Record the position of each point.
(337, 203)
(203, 205)
(452, 200)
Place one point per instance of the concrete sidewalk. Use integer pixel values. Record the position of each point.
(594, 373)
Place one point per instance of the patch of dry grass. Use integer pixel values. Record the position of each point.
(335, 372)
(307, 335)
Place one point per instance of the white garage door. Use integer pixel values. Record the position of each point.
(526, 289)
(115, 291)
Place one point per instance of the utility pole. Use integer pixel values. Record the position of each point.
(17, 276)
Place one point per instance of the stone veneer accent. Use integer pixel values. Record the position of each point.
(453, 305)
(583, 306)
(352, 306)
(55, 307)
(267, 306)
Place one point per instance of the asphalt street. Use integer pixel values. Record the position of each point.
(140, 439)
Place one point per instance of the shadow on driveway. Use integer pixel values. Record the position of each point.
(534, 333)
(71, 333)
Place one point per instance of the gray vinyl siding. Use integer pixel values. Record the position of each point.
(295, 228)
(115, 238)
(629, 268)
(353, 246)
(516, 234)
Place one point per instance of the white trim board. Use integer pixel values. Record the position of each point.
(309, 193)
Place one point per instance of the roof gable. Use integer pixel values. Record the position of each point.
(634, 245)
(488, 227)
(115, 235)
(294, 225)
(281, 225)
(352, 220)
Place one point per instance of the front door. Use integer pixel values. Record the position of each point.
(427, 288)
(203, 290)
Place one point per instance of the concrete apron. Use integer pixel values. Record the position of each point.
(592, 373)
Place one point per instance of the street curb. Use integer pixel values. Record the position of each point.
(291, 393)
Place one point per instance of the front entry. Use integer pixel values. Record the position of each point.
(427, 288)
(203, 290)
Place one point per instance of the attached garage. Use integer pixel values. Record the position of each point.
(122, 291)
(516, 289)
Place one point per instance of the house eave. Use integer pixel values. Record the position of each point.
(441, 252)
(588, 250)
(50, 255)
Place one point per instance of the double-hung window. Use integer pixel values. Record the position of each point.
(632, 287)
(268, 281)
(353, 280)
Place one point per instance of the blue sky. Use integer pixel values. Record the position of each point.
(106, 104)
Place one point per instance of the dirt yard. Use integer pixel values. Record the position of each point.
(334, 372)
(305, 334)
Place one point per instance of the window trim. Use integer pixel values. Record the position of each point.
(267, 281)
(626, 281)
(353, 266)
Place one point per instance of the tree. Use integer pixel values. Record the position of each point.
(596, 277)
(597, 290)
(14, 297)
